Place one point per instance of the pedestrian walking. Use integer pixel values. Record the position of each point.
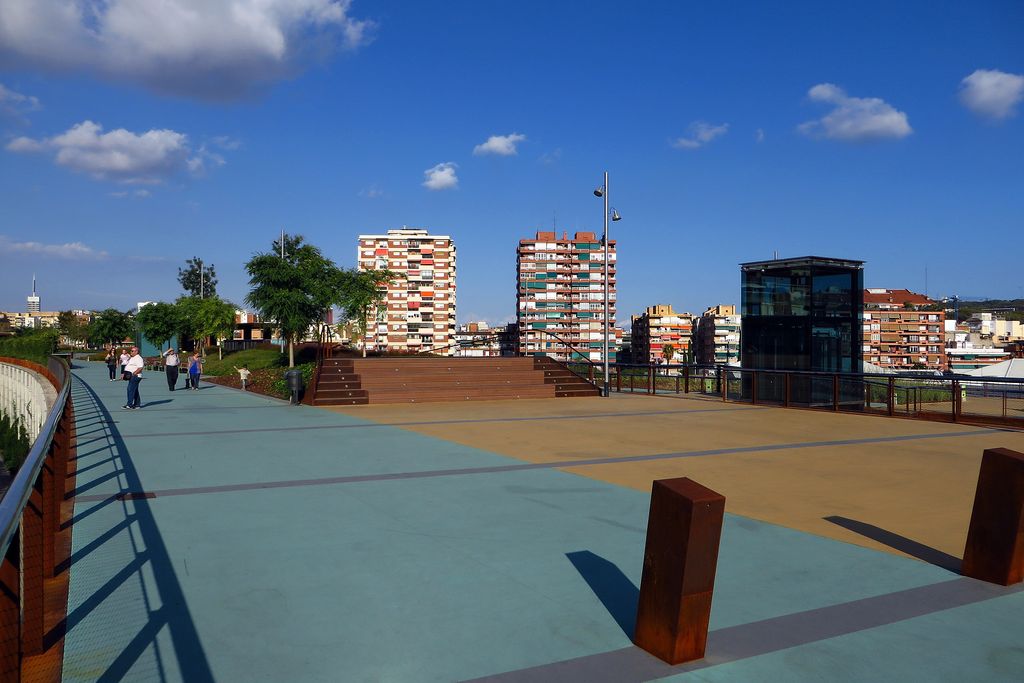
(171, 367)
(243, 375)
(195, 368)
(133, 368)
(111, 361)
(123, 359)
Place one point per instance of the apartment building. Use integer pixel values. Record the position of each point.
(560, 293)
(478, 340)
(32, 319)
(995, 328)
(903, 330)
(717, 336)
(419, 311)
(658, 327)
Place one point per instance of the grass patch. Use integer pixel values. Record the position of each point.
(256, 359)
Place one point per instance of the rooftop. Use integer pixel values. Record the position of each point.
(797, 261)
(505, 539)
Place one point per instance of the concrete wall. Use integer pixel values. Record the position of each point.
(27, 394)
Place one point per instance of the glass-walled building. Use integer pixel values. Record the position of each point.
(802, 314)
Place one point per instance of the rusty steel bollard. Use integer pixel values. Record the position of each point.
(995, 539)
(683, 533)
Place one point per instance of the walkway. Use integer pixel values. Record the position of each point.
(298, 544)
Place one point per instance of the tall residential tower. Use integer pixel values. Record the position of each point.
(560, 293)
(419, 315)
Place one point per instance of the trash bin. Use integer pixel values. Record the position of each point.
(295, 384)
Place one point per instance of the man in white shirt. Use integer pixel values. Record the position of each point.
(134, 370)
(171, 367)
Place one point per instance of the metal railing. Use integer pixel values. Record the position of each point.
(30, 517)
(951, 398)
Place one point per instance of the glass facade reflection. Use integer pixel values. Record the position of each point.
(802, 314)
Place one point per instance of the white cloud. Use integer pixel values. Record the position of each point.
(854, 118)
(68, 250)
(15, 104)
(441, 177)
(24, 144)
(372, 192)
(121, 155)
(991, 93)
(759, 135)
(202, 160)
(552, 157)
(211, 49)
(502, 145)
(138, 194)
(224, 142)
(701, 133)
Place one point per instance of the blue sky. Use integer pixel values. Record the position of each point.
(888, 132)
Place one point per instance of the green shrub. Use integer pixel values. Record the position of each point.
(14, 441)
(34, 346)
(280, 385)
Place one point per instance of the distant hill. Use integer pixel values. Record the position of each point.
(1011, 309)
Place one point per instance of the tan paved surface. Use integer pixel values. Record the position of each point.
(921, 489)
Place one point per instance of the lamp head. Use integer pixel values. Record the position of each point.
(599, 191)
(616, 216)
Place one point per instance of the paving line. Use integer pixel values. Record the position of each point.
(518, 467)
(735, 643)
(424, 423)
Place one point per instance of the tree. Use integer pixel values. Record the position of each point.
(668, 351)
(197, 278)
(187, 312)
(296, 289)
(111, 326)
(71, 326)
(364, 291)
(159, 322)
(214, 318)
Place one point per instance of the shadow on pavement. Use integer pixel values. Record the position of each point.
(902, 543)
(135, 578)
(613, 588)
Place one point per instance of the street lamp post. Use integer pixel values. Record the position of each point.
(614, 215)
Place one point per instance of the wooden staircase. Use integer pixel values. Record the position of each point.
(348, 381)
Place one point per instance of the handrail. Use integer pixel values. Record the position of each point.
(852, 375)
(322, 352)
(478, 337)
(18, 493)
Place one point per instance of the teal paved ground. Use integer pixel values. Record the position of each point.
(294, 544)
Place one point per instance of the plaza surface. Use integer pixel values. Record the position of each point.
(504, 540)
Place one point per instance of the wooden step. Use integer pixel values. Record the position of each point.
(451, 380)
(463, 365)
(339, 377)
(421, 380)
(340, 393)
(573, 392)
(359, 401)
(332, 384)
(459, 394)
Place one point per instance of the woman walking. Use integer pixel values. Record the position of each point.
(111, 361)
(195, 368)
(124, 361)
